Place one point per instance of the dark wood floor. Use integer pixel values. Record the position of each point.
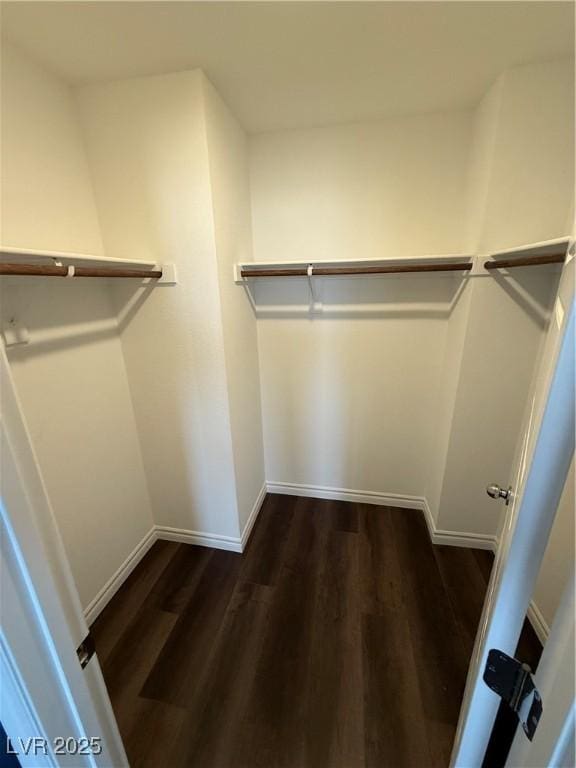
(340, 638)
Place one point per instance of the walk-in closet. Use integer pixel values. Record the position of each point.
(276, 281)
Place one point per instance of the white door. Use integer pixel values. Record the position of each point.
(540, 472)
(553, 744)
(54, 712)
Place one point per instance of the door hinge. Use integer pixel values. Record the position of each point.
(86, 650)
(513, 682)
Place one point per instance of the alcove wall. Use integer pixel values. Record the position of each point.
(158, 195)
(418, 388)
(71, 377)
(435, 387)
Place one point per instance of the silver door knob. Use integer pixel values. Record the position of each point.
(496, 492)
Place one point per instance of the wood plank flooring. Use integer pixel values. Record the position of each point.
(339, 639)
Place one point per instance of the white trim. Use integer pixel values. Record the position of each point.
(233, 544)
(437, 535)
(539, 623)
(530, 249)
(347, 494)
(404, 501)
(230, 543)
(253, 516)
(25, 254)
(17, 712)
(99, 602)
(458, 538)
(215, 541)
(430, 522)
(461, 539)
(553, 743)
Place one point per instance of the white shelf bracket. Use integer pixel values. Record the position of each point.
(15, 333)
(169, 275)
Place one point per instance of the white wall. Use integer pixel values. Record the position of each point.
(531, 186)
(520, 181)
(343, 403)
(398, 386)
(71, 377)
(228, 162)
(147, 145)
(481, 163)
(520, 190)
(367, 190)
(445, 400)
(506, 319)
(47, 199)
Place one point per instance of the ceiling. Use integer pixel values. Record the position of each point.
(289, 64)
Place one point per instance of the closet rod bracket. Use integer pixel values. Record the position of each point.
(315, 303)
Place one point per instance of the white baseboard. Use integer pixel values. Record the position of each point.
(404, 501)
(215, 541)
(230, 543)
(539, 623)
(233, 544)
(437, 535)
(457, 538)
(252, 517)
(461, 539)
(346, 494)
(98, 603)
(478, 541)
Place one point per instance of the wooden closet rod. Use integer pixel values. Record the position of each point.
(376, 270)
(52, 270)
(526, 261)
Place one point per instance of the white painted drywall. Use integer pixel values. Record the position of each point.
(454, 344)
(531, 188)
(47, 199)
(520, 179)
(349, 401)
(71, 377)
(364, 395)
(481, 163)
(479, 169)
(367, 190)
(72, 383)
(230, 186)
(520, 190)
(506, 321)
(148, 150)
